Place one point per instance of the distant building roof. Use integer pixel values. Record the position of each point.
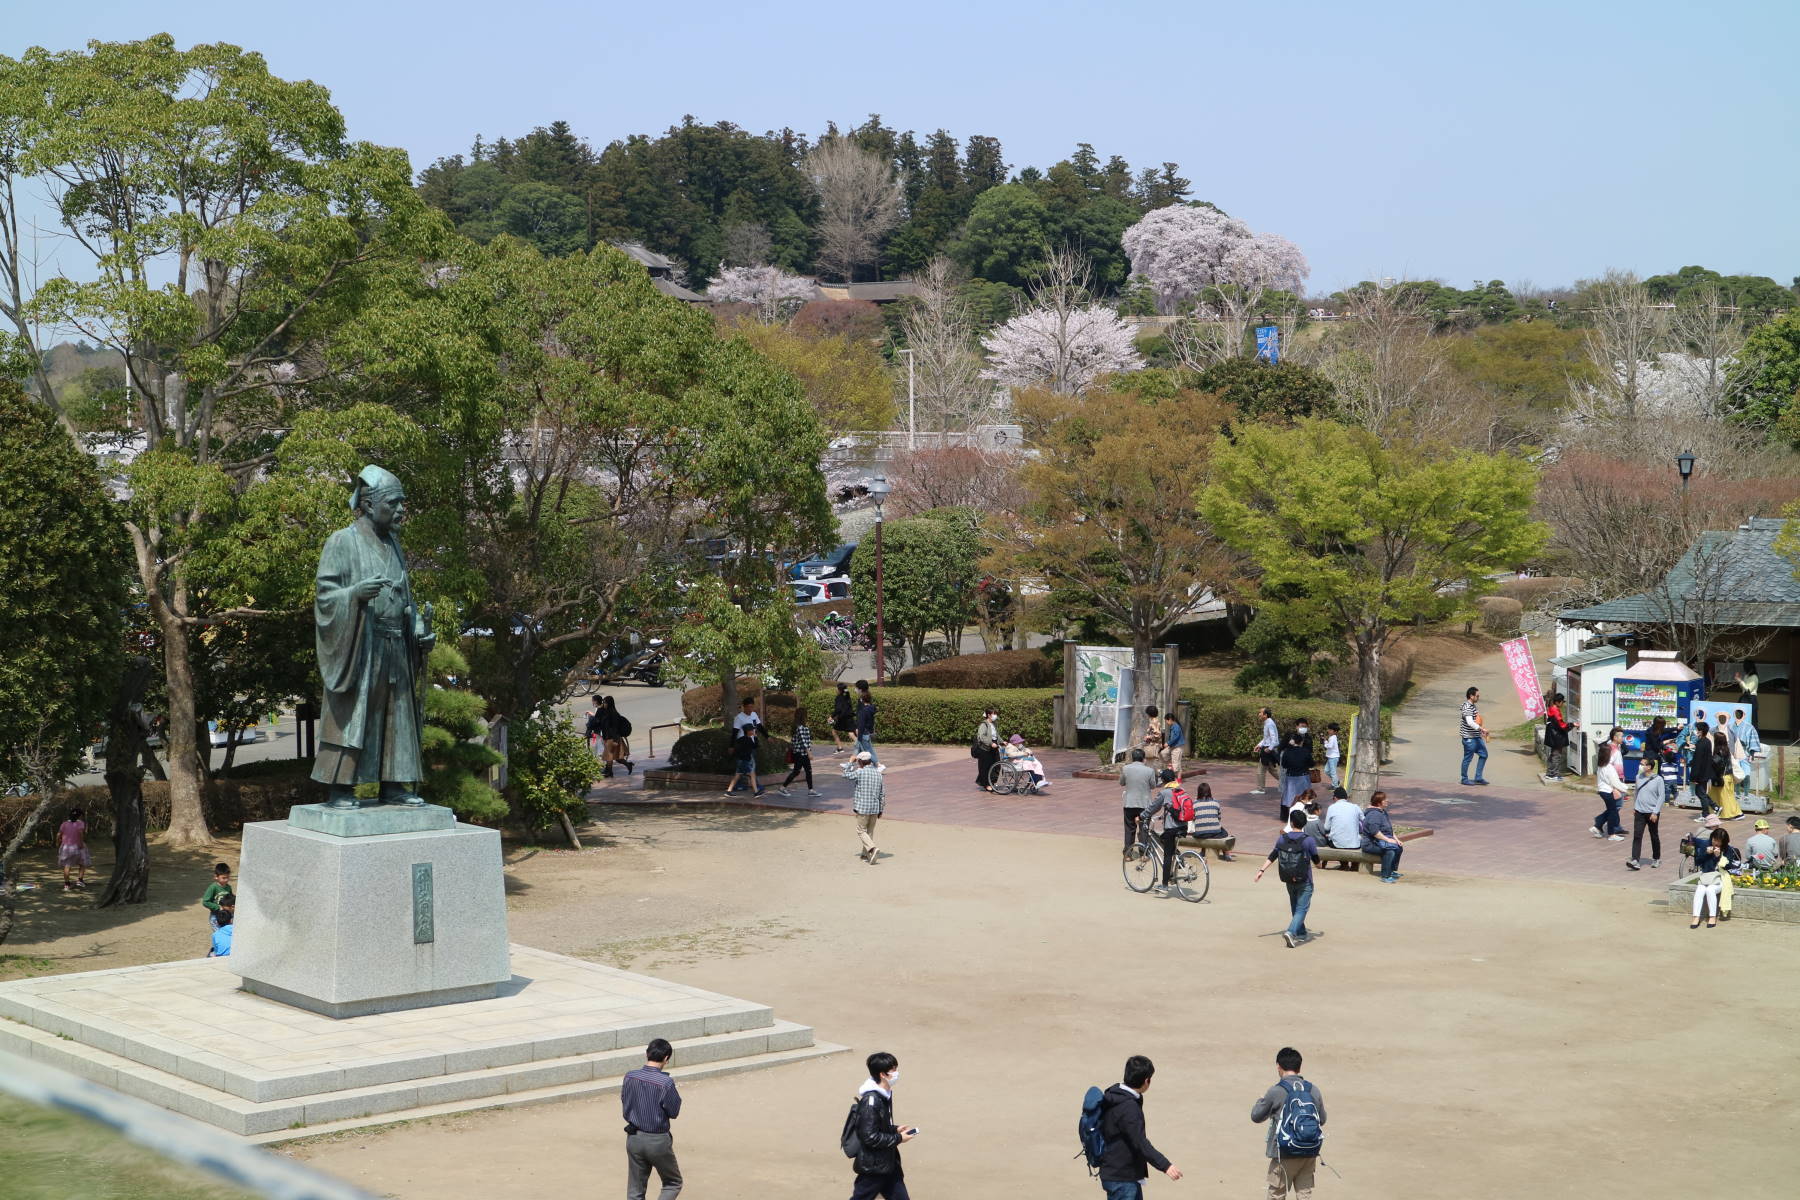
(669, 287)
(1587, 658)
(880, 293)
(1749, 584)
(650, 258)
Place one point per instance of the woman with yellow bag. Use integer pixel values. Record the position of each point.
(1729, 810)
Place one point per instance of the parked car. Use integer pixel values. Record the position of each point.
(817, 591)
(821, 566)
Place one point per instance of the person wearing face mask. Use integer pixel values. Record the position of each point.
(878, 1139)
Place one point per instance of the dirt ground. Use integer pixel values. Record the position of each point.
(1472, 1038)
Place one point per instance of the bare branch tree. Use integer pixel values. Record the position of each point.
(860, 198)
(746, 244)
(946, 364)
(1707, 328)
(39, 757)
(1623, 340)
(1392, 376)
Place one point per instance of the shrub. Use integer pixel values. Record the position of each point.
(700, 706)
(1227, 726)
(949, 716)
(711, 750)
(549, 771)
(1343, 682)
(996, 669)
(1500, 616)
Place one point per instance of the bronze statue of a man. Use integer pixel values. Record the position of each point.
(372, 641)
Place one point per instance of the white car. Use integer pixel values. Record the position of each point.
(818, 591)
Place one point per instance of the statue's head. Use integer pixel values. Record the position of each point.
(379, 497)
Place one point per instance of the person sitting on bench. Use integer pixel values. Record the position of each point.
(1208, 824)
(1378, 837)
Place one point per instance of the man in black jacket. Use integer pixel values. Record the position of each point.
(878, 1170)
(1125, 1163)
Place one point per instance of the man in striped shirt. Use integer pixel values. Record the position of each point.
(649, 1101)
(867, 801)
(1474, 739)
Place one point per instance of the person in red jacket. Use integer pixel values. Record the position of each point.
(1556, 740)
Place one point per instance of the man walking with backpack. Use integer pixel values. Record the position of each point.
(872, 1139)
(1125, 1152)
(1294, 857)
(1297, 1128)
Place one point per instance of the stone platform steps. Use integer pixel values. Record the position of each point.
(184, 1036)
(305, 1115)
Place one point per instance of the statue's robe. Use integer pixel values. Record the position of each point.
(368, 658)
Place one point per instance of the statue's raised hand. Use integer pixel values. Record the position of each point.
(368, 589)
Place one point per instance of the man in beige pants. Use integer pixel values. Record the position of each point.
(1291, 1164)
(868, 800)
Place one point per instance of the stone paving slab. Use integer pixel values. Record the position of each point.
(1529, 833)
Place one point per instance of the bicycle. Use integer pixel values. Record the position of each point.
(1143, 867)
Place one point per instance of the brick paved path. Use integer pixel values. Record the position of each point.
(1495, 832)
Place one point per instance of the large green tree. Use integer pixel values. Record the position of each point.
(62, 610)
(1108, 520)
(1343, 533)
(580, 430)
(231, 229)
(929, 569)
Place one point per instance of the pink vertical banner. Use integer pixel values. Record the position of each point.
(1524, 676)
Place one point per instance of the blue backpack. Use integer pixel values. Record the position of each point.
(1093, 1142)
(1298, 1133)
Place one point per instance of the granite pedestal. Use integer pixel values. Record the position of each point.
(365, 921)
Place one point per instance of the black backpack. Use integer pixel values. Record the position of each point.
(1555, 737)
(621, 726)
(1290, 858)
(848, 1141)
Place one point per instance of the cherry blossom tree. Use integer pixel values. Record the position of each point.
(1064, 351)
(774, 292)
(1184, 251)
(1065, 341)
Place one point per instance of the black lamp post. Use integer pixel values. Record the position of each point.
(1684, 462)
(879, 487)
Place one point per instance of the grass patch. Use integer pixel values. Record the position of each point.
(682, 949)
(24, 964)
(46, 1155)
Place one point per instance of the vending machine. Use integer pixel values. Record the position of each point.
(1658, 685)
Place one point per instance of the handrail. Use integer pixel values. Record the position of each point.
(651, 735)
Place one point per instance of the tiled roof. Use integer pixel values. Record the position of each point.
(1759, 582)
(669, 287)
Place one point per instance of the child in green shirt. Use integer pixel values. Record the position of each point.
(220, 886)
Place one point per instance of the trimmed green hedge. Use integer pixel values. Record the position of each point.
(710, 750)
(1227, 726)
(995, 669)
(947, 716)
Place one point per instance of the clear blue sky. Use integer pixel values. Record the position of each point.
(1525, 141)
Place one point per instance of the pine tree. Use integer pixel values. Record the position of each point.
(455, 760)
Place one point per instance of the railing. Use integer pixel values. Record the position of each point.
(175, 1138)
(650, 736)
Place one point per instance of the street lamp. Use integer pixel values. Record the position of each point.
(879, 487)
(1684, 462)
